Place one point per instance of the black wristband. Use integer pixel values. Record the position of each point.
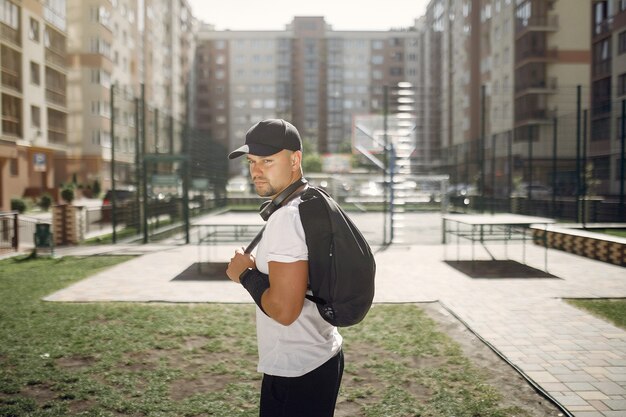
(255, 282)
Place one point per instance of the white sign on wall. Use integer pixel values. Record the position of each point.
(39, 162)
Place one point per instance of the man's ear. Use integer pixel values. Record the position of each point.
(296, 159)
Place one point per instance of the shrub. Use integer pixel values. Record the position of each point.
(67, 194)
(19, 205)
(96, 188)
(45, 201)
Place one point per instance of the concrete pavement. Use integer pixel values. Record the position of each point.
(578, 359)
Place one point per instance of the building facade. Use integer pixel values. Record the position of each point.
(308, 73)
(144, 50)
(33, 87)
(608, 92)
(509, 69)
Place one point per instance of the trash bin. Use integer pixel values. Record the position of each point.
(43, 237)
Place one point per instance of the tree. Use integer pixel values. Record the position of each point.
(312, 163)
(311, 160)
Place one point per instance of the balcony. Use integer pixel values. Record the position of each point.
(56, 58)
(11, 80)
(10, 35)
(522, 57)
(55, 96)
(11, 126)
(601, 69)
(603, 27)
(545, 86)
(537, 24)
(57, 136)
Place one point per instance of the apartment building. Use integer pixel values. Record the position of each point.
(428, 82)
(126, 44)
(34, 97)
(504, 70)
(552, 58)
(315, 76)
(456, 64)
(608, 92)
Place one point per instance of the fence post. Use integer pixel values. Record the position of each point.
(584, 172)
(16, 232)
(137, 212)
(578, 109)
(622, 167)
(144, 170)
(113, 196)
(554, 150)
(493, 172)
(483, 140)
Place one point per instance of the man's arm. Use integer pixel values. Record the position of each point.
(284, 299)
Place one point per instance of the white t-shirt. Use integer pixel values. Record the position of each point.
(308, 342)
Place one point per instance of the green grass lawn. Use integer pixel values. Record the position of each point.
(133, 359)
(613, 232)
(612, 310)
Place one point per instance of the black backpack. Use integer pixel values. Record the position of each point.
(341, 264)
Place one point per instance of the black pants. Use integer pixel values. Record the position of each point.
(310, 395)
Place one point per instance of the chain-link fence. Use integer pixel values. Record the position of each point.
(161, 171)
(561, 160)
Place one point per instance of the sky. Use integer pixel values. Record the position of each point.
(340, 14)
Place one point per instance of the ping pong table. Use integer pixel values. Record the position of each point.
(483, 228)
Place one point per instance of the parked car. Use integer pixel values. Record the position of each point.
(122, 197)
(124, 205)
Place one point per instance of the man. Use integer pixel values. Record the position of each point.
(299, 352)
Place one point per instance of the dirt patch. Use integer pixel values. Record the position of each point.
(184, 388)
(207, 371)
(40, 393)
(75, 362)
(515, 390)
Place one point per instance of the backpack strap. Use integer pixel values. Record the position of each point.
(316, 300)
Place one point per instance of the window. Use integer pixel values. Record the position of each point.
(600, 16)
(101, 77)
(35, 116)
(9, 14)
(11, 115)
(621, 85)
(377, 45)
(34, 73)
(33, 33)
(621, 43)
(13, 167)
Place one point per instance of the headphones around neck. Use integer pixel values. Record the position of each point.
(270, 206)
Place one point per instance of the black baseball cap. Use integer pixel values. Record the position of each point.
(269, 137)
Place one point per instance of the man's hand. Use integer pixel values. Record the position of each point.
(239, 263)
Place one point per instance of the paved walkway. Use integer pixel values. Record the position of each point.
(578, 359)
